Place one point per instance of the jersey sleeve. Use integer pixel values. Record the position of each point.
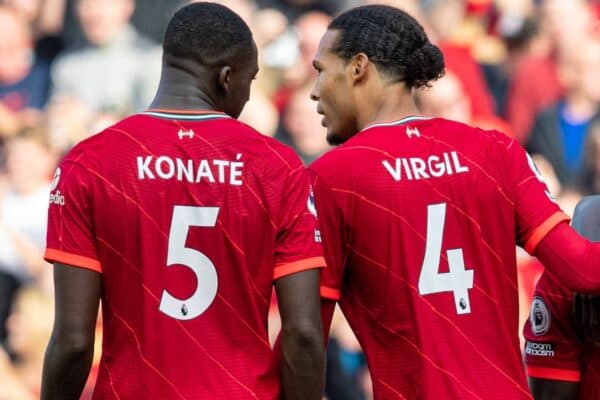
(331, 226)
(70, 233)
(298, 245)
(552, 348)
(536, 211)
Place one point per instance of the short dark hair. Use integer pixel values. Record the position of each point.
(209, 33)
(393, 40)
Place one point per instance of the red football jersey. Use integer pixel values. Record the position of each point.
(419, 220)
(189, 218)
(553, 349)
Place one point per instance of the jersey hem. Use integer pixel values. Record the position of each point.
(74, 260)
(330, 293)
(297, 266)
(555, 374)
(541, 231)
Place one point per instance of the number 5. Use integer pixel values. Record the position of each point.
(203, 268)
(459, 280)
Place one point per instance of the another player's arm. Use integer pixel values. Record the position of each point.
(301, 339)
(573, 258)
(71, 347)
(586, 221)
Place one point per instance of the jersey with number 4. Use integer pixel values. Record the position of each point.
(189, 219)
(419, 220)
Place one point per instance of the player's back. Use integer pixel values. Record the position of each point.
(430, 213)
(188, 212)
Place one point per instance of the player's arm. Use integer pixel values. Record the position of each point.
(585, 312)
(71, 347)
(572, 258)
(301, 339)
(546, 389)
(327, 310)
(333, 233)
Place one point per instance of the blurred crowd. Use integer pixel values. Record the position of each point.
(69, 68)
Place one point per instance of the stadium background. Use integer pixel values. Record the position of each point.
(68, 68)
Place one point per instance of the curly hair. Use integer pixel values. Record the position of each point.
(209, 33)
(393, 40)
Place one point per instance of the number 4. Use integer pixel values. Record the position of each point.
(459, 280)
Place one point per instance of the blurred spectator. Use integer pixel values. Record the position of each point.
(23, 209)
(69, 121)
(29, 328)
(151, 16)
(522, 39)
(295, 8)
(447, 99)
(24, 81)
(278, 49)
(260, 113)
(46, 19)
(309, 28)
(446, 18)
(535, 84)
(13, 388)
(302, 127)
(591, 160)
(244, 8)
(559, 132)
(117, 71)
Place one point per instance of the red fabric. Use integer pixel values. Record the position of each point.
(492, 122)
(562, 249)
(376, 228)
(479, 6)
(534, 86)
(117, 209)
(555, 352)
(461, 62)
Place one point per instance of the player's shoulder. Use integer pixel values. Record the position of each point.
(463, 129)
(100, 145)
(330, 161)
(479, 140)
(268, 149)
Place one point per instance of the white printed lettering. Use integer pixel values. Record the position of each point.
(160, 162)
(396, 171)
(191, 171)
(419, 167)
(187, 170)
(205, 172)
(458, 168)
(416, 168)
(143, 165)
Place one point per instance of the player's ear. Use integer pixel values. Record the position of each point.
(359, 66)
(225, 78)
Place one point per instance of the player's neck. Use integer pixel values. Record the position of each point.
(181, 102)
(178, 91)
(391, 106)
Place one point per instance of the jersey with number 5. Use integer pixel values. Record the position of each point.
(189, 218)
(419, 220)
